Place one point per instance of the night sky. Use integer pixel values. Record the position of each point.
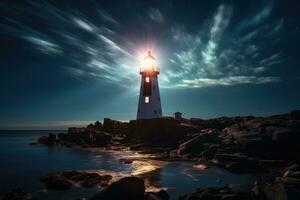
(66, 63)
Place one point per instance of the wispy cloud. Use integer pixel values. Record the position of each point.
(82, 24)
(107, 17)
(156, 15)
(227, 57)
(258, 17)
(43, 45)
(231, 80)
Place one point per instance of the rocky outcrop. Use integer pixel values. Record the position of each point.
(285, 187)
(51, 139)
(218, 123)
(274, 137)
(66, 180)
(80, 138)
(126, 188)
(56, 182)
(224, 193)
(199, 144)
(163, 132)
(115, 127)
(129, 188)
(238, 163)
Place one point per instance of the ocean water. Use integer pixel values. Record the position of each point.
(22, 163)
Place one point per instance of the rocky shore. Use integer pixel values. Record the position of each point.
(266, 145)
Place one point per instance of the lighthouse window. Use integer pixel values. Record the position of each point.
(147, 89)
(147, 79)
(146, 99)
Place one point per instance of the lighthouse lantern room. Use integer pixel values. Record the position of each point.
(149, 99)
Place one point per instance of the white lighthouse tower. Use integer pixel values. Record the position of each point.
(149, 100)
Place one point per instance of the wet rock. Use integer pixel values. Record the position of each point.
(161, 195)
(293, 174)
(56, 182)
(243, 167)
(238, 163)
(65, 180)
(231, 158)
(208, 154)
(258, 191)
(290, 137)
(126, 188)
(101, 139)
(290, 180)
(225, 193)
(230, 197)
(196, 144)
(51, 139)
(126, 160)
(115, 127)
(218, 123)
(275, 190)
(16, 194)
(87, 179)
(83, 138)
(97, 126)
(62, 136)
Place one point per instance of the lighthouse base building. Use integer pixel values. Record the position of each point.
(149, 99)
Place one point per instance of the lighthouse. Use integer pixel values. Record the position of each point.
(149, 99)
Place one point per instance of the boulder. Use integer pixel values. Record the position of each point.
(101, 138)
(197, 144)
(253, 146)
(208, 153)
(218, 123)
(87, 138)
(65, 180)
(289, 137)
(291, 173)
(56, 182)
(290, 181)
(161, 195)
(114, 126)
(275, 190)
(43, 139)
(51, 139)
(126, 188)
(62, 136)
(159, 132)
(87, 179)
(238, 163)
(225, 193)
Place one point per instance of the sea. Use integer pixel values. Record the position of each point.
(23, 161)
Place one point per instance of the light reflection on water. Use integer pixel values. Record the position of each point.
(22, 164)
